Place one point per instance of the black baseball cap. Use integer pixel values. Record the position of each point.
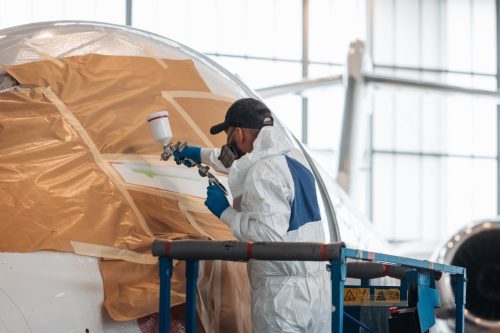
(245, 113)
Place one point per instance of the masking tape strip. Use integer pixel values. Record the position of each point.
(108, 252)
(151, 54)
(189, 203)
(199, 94)
(110, 157)
(187, 118)
(48, 57)
(193, 221)
(194, 206)
(105, 166)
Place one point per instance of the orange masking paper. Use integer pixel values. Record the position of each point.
(53, 191)
(111, 97)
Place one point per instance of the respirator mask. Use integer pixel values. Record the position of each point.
(229, 152)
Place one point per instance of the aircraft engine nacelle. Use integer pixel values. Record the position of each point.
(477, 248)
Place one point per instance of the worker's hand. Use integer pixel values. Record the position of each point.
(216, 200)
(193, 153)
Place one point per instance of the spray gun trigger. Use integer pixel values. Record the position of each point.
(188, 162)
(180, 146)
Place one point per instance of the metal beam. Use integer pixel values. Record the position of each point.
(497, 3)
(305, 67)
(370, 14)
(297, 87)
(432, 70)
(296, 61)
(353, 122)
(128, 12)
(431, 154)
(369, 46)
(346, 142)
(374, 78)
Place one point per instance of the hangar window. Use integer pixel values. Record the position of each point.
(434, 155)
(28, 11)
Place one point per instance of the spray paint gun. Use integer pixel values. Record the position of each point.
(162, 133)
(170, 148)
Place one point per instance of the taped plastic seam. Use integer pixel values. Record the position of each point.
(110, 157)
(193, 221)
(209, 313)
(104, 165)
(108, 252)
(151, 54)
(50, 58)
(217, 294)
(187, 118)
(199, 94)
(145, 50)
(188, 203)
(202, 305)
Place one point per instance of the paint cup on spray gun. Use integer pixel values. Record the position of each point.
(160, 127)
(162, 133)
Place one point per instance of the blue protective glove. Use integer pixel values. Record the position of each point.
(190, 152)
(216, 200)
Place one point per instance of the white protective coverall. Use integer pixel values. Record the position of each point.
(275, 200)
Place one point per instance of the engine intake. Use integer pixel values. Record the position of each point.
(477, 248)
(480, 254)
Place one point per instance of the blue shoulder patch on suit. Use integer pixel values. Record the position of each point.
(305, 206)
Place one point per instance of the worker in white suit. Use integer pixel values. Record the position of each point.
(274, 200)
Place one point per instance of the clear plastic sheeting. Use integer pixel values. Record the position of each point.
(7, 82)
(86, 90)
(40, 41)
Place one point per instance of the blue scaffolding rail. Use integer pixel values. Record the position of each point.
(419, 274)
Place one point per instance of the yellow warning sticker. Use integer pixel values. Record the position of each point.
(356, 296)
(387, 295)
